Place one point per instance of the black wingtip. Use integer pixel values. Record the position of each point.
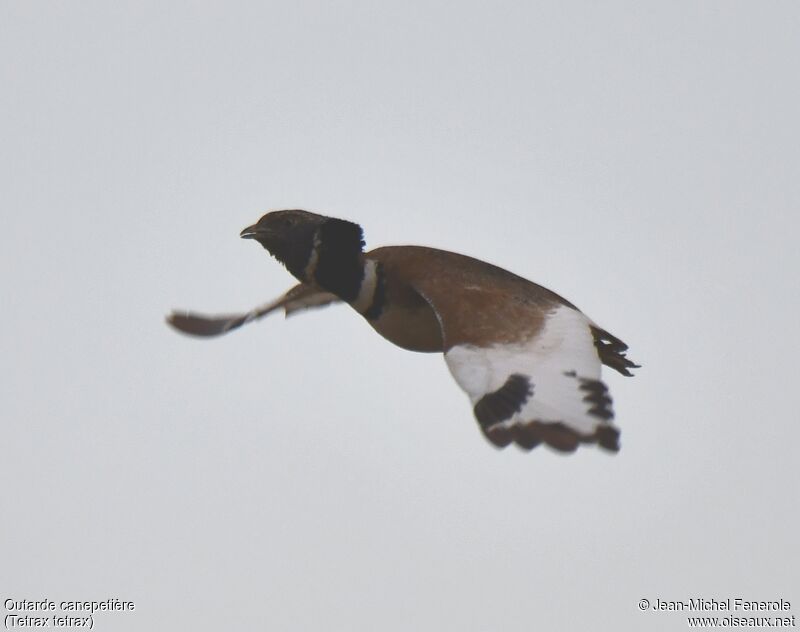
(201, 326)
(503, 403)
(612, 351)
(182, 322)
(607, 437)
(556, 435)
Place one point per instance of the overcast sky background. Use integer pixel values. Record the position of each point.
(641, 159)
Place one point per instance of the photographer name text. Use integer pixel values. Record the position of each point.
(729, 604)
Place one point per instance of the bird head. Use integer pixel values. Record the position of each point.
(300, 240)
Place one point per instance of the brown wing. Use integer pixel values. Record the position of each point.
(484, 302)
(476, 303)
(299, 298)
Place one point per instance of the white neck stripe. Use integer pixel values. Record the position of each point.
(313, 259)
(369, 283)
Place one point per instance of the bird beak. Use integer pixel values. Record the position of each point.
(251, 232)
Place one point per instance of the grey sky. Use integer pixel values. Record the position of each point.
(641, 159)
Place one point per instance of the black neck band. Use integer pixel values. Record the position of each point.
(339, 266)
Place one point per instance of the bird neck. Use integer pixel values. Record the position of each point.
(336, 262)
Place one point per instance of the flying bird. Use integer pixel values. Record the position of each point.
(528, 359)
